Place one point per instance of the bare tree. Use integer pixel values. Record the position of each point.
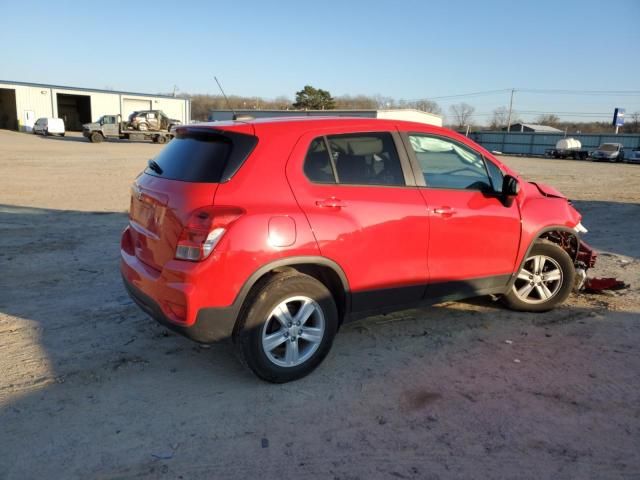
(361, 102)
(634, 125)
(548, 119)
(282, 103)
(500, 118)
(385, 102)
(461, 113)
(425, 105)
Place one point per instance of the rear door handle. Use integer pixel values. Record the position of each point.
(445, 212)
(331, 203)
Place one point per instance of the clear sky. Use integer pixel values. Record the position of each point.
(402, 49)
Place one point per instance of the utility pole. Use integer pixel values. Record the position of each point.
(510, 110)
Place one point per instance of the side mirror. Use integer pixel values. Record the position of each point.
(510, 186)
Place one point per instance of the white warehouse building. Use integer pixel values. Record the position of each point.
(21, 104)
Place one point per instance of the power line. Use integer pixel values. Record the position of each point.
(472, 94)
(581, 92)
(538, 112)
(551, 91)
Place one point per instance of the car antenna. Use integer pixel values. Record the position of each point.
(225, 97)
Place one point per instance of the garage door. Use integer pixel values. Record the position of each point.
(130, 105)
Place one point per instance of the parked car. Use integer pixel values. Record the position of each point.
(151, 120)
(49, 126)
(610, 152)
(634, 156)
(271, 233)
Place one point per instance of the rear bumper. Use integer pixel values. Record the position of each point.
(175, 299)
(211, 325)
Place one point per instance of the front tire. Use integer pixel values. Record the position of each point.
(544, 281)
(96, 137)
(287, 327)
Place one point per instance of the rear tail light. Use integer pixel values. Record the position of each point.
(203, 231)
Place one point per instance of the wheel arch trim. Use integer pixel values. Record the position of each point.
(535, 238)
(291, 262)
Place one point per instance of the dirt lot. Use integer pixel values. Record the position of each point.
(92, 388)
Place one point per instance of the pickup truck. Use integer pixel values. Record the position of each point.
(111, 126)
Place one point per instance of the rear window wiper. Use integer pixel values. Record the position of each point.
(153, 165)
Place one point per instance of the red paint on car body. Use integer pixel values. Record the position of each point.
(377, 237)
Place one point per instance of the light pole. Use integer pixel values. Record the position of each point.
(510, 110)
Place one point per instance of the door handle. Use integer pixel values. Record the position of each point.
(331, 203)
(445, 212)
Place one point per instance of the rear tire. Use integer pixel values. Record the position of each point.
(161, 139)
(287, 327)
(544, 281)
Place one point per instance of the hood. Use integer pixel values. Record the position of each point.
(91, 125)
(548, 190)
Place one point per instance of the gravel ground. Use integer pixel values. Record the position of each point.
(92, 388)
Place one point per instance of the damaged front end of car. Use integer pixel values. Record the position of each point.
(584, 255)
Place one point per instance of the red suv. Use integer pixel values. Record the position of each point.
(273, 232)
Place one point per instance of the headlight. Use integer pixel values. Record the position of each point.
(580, 228)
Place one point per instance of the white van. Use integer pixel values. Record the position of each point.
(49, 126)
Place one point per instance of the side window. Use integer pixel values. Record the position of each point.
(366, 159)
(151, 116)
(448, 164)
(317, 165)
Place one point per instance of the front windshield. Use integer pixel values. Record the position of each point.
(608, 147)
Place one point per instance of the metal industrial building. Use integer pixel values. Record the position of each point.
(532, 127)
(21, 104)
(406, 114)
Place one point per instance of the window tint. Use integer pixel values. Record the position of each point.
(317, 166)
(366, 159)
(448, 164)
(203, 156)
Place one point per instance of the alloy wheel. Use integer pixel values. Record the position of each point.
(539, 280)
(293, 331)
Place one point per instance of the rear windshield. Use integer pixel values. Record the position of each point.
(205, 157)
